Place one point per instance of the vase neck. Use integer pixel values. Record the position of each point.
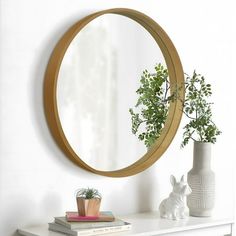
(202, 155)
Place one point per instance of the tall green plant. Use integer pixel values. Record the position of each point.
(197, 109)
(152, 105)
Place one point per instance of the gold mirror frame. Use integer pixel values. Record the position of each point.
(176, 76)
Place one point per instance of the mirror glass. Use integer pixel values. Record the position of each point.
(96, 86)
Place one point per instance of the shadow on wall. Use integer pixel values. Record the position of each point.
(15, 234)
(139, 193)
(121, 201)
(147, 191)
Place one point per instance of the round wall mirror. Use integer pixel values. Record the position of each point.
(91, 83)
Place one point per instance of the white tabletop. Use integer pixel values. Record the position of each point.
(146, 224)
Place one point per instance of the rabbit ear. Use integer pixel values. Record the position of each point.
(172, 180)
(182, 178)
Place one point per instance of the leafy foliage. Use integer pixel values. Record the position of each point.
(153, 101)
(88, 193)
(197, 108)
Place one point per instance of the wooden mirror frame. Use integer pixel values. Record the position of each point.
(176, 76)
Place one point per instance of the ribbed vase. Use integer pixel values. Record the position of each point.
(201, 179)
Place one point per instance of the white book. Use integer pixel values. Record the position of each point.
(88, 232)
(87, 225)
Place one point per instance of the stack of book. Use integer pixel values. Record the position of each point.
(73, 224)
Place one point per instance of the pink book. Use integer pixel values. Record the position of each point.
(103, 216)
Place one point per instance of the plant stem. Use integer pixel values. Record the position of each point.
(188, 115)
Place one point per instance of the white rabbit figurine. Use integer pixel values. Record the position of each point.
(174, 206)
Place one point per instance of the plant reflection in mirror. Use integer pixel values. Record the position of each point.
(152, 105)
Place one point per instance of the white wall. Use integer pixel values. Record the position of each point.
(37, 182)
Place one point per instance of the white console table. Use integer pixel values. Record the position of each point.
(150, 224)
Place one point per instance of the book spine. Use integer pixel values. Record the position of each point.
(97, 225)
(63, 223)
(104, 216)
(89, 225)
(98, 219)
(83, 218)
(58, 228)
(105, 230)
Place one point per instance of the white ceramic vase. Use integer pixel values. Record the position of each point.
(201, 179)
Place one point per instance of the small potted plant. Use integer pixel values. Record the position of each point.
(151, 110)
(202, 130)
(88, 201)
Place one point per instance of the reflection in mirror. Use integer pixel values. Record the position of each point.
(151, 110)
(97, 84)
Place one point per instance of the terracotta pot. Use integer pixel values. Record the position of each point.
(88, 207)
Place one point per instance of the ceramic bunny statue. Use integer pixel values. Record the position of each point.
(174, 206)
